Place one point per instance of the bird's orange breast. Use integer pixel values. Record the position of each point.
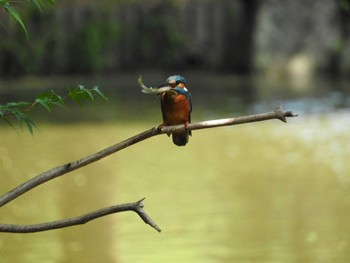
(175, 109)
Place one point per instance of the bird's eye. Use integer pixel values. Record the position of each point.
(177, 82)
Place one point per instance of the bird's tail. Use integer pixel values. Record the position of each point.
(181, 139)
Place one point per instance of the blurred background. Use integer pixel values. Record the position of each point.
(247, 52)
(261, 192)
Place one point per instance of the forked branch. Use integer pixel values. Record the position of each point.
(136, 207)
(278, 113)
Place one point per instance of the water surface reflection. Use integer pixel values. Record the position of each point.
(263, 192)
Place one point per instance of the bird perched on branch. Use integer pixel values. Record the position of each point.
(176, 105)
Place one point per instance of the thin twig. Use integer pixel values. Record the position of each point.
(79, 220)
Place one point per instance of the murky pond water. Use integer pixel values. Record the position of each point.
(262, 192)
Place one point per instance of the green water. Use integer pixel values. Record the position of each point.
(262, 192)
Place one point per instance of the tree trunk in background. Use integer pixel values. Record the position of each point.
(338, 63)
(238, 32)
(237, 36)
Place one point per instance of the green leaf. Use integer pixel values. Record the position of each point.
(48, 99)
(3, 109)
(7, 121)
(13, 13)
(17, 104)
(38, 4)
(21, 117)
(81, 93)
(9, 108)
(44, 103)
(99, 92)
(85, 93)
(41, 3)
(57, 100)
(74, 96)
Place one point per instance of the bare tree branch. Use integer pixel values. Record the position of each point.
(278, 113)
(79, 220)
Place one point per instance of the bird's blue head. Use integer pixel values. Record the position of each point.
(176, 79)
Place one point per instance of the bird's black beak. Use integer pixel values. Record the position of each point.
(163, 85)
(169, 84)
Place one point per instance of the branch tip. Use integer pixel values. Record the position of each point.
(140, 203)
(146, 218)
(281, 114)
(291, 114)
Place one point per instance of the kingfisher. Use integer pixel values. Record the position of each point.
(176, 105)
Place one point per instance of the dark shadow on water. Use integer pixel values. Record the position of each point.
(214, 95)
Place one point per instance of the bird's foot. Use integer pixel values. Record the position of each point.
(186, 128)
(186, 125)
(161, 126)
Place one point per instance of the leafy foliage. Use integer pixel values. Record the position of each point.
(7, 5)
(19, 110)
(47, 100)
